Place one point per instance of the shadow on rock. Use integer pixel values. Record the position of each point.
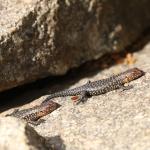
(29, 92)
(55, 143)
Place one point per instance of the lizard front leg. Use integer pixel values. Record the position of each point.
(128, 87)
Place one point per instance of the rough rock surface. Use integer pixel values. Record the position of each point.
(36, 36)
(116, 120)
(16, 135)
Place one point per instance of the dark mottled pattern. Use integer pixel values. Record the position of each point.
(100, 86)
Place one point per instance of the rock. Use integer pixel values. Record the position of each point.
(16, 135)
(41, 38)
(116, 120)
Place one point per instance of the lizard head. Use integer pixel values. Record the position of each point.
(132, 74)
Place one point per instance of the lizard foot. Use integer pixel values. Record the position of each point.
(82, 98)
(127, 87)
(36, 123)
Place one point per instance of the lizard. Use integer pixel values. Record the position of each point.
(99, 87)
(33, 115)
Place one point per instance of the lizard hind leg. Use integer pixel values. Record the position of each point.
(82, 97)
(37, 122)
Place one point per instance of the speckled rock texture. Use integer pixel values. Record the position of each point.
(24, 138)
(41, 37)
(118, 120)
